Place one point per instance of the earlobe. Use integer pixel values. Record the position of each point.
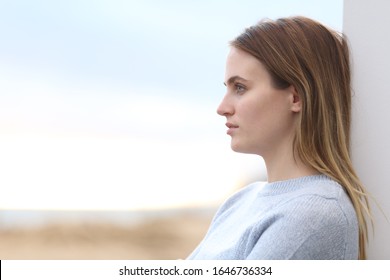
(296, 104)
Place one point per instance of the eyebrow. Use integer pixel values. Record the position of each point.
(233, 79)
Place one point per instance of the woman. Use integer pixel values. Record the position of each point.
(289, 100)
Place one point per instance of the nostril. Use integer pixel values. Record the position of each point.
(226, 107)
(222, 110)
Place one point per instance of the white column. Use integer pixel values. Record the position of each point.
(367, 26)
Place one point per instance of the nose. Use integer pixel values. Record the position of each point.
(226, 108)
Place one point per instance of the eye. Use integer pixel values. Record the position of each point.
(240, 89)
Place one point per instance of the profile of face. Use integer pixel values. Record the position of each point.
(260, 118)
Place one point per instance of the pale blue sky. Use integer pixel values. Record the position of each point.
(175, 45)
(119, 97)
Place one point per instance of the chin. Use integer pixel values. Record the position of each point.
(236, 147)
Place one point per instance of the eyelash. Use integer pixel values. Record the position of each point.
(239, 88)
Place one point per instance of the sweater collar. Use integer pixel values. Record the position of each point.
(280, 187)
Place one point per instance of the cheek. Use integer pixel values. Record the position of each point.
(254, 112)
(266, 118)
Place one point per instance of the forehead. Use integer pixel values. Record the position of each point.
(240, 63)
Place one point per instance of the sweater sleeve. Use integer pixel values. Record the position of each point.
(308, 227)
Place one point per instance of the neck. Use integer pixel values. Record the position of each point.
(283, 166)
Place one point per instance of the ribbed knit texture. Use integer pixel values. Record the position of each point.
(304, 218)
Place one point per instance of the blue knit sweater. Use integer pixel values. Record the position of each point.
(304, 218)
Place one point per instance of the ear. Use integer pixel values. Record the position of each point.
(296, 100)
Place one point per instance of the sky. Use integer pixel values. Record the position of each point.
(111, 104)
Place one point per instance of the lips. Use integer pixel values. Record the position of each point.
(230, 125)
(231, 128)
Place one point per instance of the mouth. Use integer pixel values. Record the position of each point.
(231, 128)
(230, 125)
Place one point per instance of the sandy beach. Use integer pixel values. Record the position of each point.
(161, 238)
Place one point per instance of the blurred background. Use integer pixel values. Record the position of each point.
(110, 145)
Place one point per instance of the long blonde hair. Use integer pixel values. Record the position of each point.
(314, 59)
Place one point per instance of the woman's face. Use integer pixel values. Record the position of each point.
(260, 118)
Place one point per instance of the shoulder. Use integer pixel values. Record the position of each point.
(324, 201)
(242, 196)
(313, 222)
(317, 209)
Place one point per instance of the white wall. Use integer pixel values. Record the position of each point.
(367, 26)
